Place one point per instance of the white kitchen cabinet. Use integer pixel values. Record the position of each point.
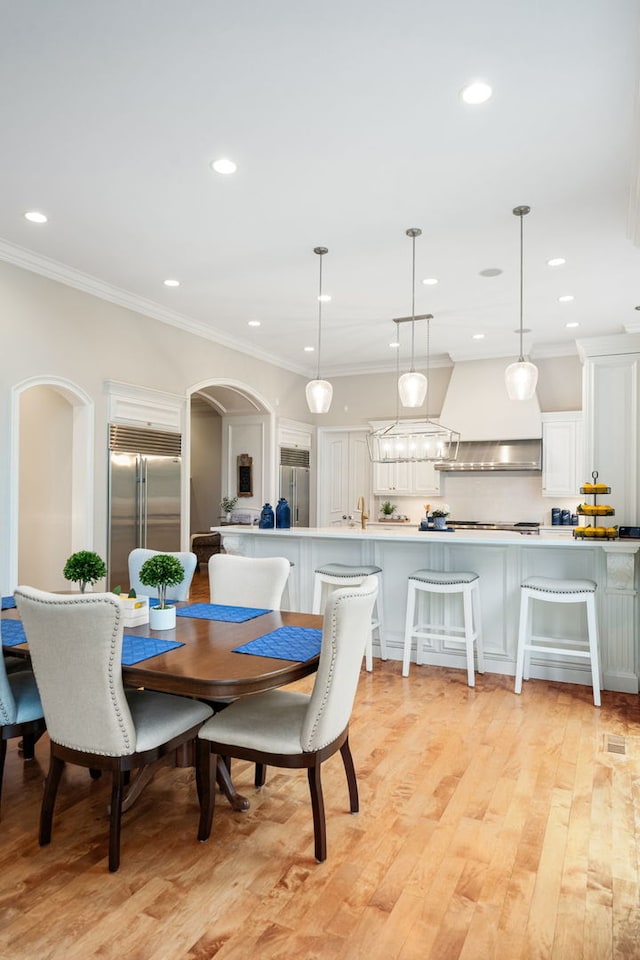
(563, 470)
(344, 474)
(406, 479)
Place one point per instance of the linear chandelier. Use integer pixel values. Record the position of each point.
(414, 441)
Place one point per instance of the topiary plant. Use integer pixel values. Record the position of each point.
(162, 571)
(84, 567)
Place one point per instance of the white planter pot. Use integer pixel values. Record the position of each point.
(162, 619)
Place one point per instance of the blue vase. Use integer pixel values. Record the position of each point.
(283, 514)
(266, 518)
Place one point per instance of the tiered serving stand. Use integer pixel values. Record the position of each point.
(594, 511)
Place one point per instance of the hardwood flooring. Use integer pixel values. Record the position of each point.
(490, 826)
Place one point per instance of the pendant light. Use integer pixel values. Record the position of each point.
(412, 386)
(414, 441)
(319, 392)
(521, 377)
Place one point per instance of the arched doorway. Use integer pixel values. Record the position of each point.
(227, 418)
(51, 479)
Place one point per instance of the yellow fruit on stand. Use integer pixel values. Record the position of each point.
(612, 532)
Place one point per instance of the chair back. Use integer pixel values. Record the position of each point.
(347, 627)
(75, 644)
(181, 592)
(247, 581)
(8, 706)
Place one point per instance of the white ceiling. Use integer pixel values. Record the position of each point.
(347, 127)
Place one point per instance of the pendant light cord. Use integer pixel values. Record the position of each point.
(521, 359)
(413, 300)
(320, 317)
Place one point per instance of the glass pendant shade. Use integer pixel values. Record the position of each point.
(319, 395)
(412, 388)
(521, 379)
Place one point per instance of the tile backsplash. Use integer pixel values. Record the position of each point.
(488, 497)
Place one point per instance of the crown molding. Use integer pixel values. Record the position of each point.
(70, 277)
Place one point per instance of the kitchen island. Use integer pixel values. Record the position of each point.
(502, 560)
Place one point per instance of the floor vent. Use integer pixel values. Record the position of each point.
(613, 744)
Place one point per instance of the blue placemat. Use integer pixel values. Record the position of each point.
(218, 611)
(135, 649)
(8, 603)
(12, 633)
(285, 643)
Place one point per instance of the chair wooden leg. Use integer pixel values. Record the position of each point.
(317, 806)
(3, 754)
(260, 775)
(350, 770)
(115, 820)
(206, 772)
(56, 766)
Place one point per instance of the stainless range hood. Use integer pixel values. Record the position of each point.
(496, 433)
(481, 455)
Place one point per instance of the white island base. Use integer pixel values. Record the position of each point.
(502, 561)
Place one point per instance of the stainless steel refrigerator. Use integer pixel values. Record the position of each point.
(144, 495)
(294, 483)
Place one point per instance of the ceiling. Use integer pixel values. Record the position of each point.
(347, 127)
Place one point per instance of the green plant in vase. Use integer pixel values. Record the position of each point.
(84, 567)
(387, 508)
(228, 504)
(162, 571)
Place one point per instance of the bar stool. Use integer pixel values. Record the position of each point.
(436, 581)
(557, 591)
(289, 596)
(333, 575)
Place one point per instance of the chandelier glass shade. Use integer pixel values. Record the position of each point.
(521, 377)
(413, 441)
(412, 386)
(319, 392)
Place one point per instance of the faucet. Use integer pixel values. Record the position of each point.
(363, 515)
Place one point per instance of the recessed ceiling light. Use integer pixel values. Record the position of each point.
(573, 324)
(324, 298)
(309, 349)
(223, 165)
(567, 298)
(556, 262)
(34, 216)
(430, 281)
(478, 336)
(253, 323)
(394, 344)
(491, 272)
(476, 92)
(172, 283)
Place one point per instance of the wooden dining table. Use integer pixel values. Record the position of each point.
(206, 667)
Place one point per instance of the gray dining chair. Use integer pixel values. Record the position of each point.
(180, 592)
(285, 728)
(247, 581)
(75, 644)
(21, 713)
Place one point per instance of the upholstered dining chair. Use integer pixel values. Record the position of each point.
(181, 592)
(248, 581)
(285, 728)
(75, 643)
(21, 712)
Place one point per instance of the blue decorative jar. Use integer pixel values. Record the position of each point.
(283, 514)
(266, 517)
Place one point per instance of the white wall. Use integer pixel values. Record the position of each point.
(45, 488)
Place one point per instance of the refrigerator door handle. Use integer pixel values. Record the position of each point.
(143, 502)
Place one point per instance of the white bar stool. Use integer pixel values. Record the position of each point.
(436, 581)
(289, 595)
(557, 591)
(333, 575)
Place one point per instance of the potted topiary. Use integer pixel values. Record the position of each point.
(440, 514)
(84, 567)
(162, 571)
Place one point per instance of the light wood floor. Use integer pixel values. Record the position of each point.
(491, 826)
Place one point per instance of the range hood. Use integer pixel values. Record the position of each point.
(496, 433)
(481, 455)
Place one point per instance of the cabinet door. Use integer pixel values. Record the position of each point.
(392, 478)
(426, 479)
(334, 493)
(561, 455)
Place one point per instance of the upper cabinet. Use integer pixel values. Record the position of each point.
(562, 453)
